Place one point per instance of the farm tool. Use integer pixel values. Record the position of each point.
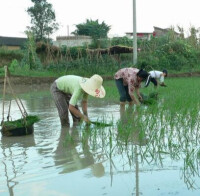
(19, 127)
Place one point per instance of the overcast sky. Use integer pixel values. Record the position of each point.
(116, 13)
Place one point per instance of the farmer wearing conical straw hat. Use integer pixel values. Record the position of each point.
(68, 90)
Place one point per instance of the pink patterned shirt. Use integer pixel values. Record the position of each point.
(129, 78)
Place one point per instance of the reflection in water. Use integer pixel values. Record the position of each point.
(129, 131)
(70, 152)
(11, 166)
(124, 159)
(73, 153)
(139, 140)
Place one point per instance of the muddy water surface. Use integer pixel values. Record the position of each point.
(78, 160)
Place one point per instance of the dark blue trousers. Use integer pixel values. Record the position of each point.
(123, 91)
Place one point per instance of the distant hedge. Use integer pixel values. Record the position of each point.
(177, 54)
(6, 56)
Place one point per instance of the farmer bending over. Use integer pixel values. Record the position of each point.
(156, 75)
(127, 81)
(68, 90)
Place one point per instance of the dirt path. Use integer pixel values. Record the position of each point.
(42, 80)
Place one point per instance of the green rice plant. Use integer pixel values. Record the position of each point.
(167, 129)
(149, 99)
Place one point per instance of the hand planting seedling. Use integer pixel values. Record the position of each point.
(149, 99)
(164, 85)
(101, 124)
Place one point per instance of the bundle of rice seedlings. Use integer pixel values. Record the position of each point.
(101, 124)
(23, 126)
(149, 99)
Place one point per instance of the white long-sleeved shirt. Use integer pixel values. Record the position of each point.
(157, 75)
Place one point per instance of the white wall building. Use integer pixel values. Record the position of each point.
(71, 41)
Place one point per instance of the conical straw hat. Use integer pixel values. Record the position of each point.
(93, 86)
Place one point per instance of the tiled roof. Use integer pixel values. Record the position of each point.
(165, 30)
(12, 41)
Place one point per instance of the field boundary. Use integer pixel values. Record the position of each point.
(40, 80)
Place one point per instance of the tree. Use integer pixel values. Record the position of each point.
(181, 32)
(193, 40)
(93, 29)
(30, 59)
(43, 19)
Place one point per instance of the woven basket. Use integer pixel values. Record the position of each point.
(19, 127)
(5, 131)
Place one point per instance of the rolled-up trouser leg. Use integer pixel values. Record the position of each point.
(60, 100)
(154, 81)
(128, 97)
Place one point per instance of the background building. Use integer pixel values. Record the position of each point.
(71, 41)
(158, 32)
(12, 43)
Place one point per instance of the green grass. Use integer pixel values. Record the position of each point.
(32, 73)
(86, 72)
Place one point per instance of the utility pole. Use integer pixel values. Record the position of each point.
(67, 30)
(134, 34)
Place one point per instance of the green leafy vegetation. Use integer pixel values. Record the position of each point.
(175, 53)
(30, 58)
(92, 28)
(43, 19)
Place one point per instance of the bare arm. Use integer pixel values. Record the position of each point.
(77, 113)
(131, 89)
(162, 79)
(138, 94)
(134, 99)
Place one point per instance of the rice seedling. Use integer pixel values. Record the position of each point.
(23, 126)
(29, 120)
(167, 129)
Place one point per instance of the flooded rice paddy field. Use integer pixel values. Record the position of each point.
(150, 151)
